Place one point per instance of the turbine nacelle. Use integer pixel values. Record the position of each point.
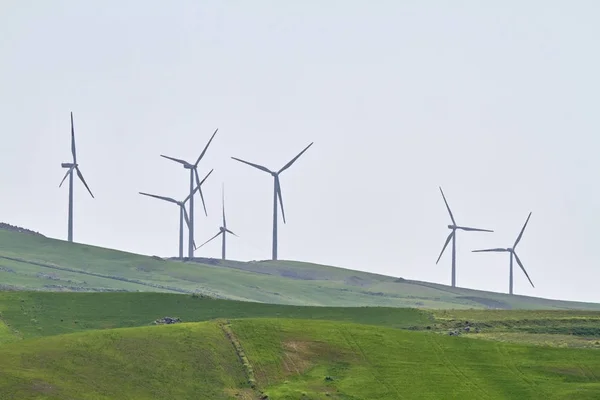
(453, 227)
(68, 165)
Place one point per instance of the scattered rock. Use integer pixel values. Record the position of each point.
(167, 321)
(329, 378)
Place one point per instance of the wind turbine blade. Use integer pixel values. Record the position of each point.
(170, 200)
(186, 217)
(214, 237)
(523, 268)
(254, 165)
(175, 159)
(67, 174)
(445, 245)
(227, 230)
(286, 166)
(223, 200)
(497, 250)
(522, 230)
(199, 187)
(205, 148)
(206, 177)
(465, 228)
(73, 140)
(448, 207)
(278, 189)
(80, 175)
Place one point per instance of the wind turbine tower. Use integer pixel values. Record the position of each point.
(72, 167)
(183, 215)
(513, 254)
(222, 231)
(276, 192)
(193, 175)
(452, 236)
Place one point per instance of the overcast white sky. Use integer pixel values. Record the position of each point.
(497, 102)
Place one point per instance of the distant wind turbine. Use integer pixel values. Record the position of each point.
(276, 192)
(452, 236)
(193, 174)
(73, 166)
(512, 253)
(183, 215)
(222, 231)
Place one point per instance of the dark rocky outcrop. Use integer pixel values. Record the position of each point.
(13, 228)
(167, 321)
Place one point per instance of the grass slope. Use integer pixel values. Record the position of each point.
(290, 359)
(186, 361)
(30, 262)
(33, 314)
(26, 315)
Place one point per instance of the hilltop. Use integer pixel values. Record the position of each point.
(34, 262)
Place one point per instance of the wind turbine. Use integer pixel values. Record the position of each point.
(193, 174)
(183, 215)
(512, 253)
(276, 192)
(452, 236)
(222, 231)
(73, 166)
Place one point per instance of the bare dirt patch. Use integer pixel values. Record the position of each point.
(297, 356)
(42, 387)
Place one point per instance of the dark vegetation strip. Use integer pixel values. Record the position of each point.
(225, 326)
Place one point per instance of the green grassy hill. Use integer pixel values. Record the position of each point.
(289, 359)
(31, 262)
(32, 314)
(26, 315)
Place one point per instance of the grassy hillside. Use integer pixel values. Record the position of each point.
(32, 262)
(25, 315)
(186, 361)
(33, 314)
(289, 359)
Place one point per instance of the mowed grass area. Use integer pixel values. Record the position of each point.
(29, 262)
(290, 359)
(186, 361)
(33, 314)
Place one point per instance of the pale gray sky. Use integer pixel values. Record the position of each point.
(495, 101)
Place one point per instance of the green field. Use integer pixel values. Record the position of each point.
(289, 359)
(29, 262)
(77, 322)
